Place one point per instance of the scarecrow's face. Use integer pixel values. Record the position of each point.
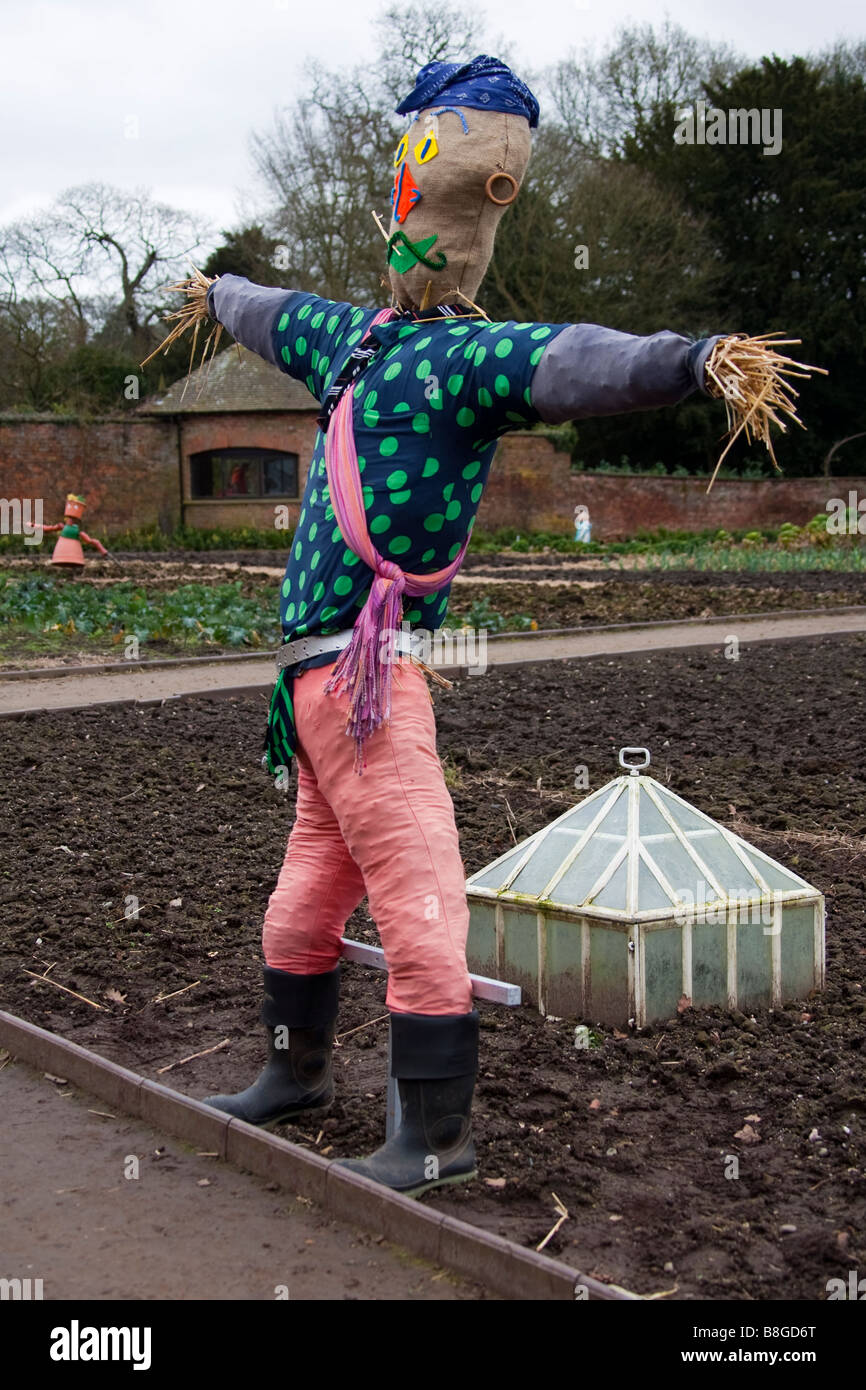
(455, 172)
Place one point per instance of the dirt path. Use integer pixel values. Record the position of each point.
(257, 673)
(188, 1227)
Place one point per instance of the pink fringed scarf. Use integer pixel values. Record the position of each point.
(364, 666)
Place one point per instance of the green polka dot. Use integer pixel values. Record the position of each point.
(540, 333)
(311, 534)
(496, 327)
(370, 399)
(503, 347)
(317, 555)
(421, 422)
(396, 479)
(317, 319)
(336, 536)
(434, 522)
(425, 560)
(484, 396)
(331, 325)
(527, 396)
(405, 332)
(290, 612)
(399, 497)
(324, 364)
(368, 497)
(356, 317)
(328, 613)
(424, 368)
(459, 331)
(326, 383)
(399, 545)
(394, 370)
(371, 419)
(471, 469)
(448, 491)
(422, 343)
(352, 339)
(431, 466)
(304, 311)
(476, 491)
(362, 463)
(454, 549)
(537, 354)
(302, 579)
(443, 605)
(452, 511)
(318, 591)
(465, 416)
(470, 348)
(286, 355)
(314, 357)
(401, 407)
(350, 558)
(287, 587)
(414, 616)
(302, 610)
(501, 385)
(314, 496)
(390, 444)
(480, 354)
(342, 584)
(300, 345)
(454, 384)
(283, 323)
(311, 385)
(300, 629)
(435, 399)
(431, 598)
(297, 550)
(380, 524)
(329, 513)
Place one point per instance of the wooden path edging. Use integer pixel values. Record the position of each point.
(498, 1264)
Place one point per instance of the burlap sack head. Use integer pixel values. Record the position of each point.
(446, 205)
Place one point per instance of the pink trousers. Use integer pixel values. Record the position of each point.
(389, 833)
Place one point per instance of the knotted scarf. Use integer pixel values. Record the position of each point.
(364, 666)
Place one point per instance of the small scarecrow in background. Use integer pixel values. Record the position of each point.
(69, 549)
(414, 399)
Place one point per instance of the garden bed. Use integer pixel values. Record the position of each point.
(633, 1136)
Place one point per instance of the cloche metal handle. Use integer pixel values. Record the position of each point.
(634, 768)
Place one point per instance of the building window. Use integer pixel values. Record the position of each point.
(248, 473)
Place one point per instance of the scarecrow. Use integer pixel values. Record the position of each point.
(69, 549)
(414, 399)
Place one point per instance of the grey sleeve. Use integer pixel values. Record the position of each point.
(589, 370)
(248, 312)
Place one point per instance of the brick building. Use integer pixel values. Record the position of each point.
(235, 445)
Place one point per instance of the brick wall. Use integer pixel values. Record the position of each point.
(129, 471)
(126, 468)
(532, 488)
(290, 431)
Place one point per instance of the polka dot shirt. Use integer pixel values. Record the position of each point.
(428, 411)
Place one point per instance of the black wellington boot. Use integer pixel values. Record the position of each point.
(435, 1061)
(299, 1012)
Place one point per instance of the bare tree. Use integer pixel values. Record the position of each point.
(602, 98)
(105, 253)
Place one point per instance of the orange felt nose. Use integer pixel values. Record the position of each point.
(67, 552)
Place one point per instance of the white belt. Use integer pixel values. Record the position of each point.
(317, 644)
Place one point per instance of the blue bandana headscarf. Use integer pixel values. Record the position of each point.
(485, 84)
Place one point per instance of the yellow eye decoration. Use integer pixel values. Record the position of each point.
(427, 148)
(402, 149)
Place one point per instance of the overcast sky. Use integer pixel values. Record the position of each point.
(162, 94)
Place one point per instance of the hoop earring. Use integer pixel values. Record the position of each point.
(502, 202)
